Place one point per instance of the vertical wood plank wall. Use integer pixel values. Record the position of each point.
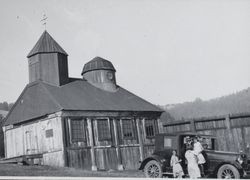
(105, 151)
(32, 139)
(232, 131)
(52, 137)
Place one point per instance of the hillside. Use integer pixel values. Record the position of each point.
(234, 103)
(3, 113)
(5, 106)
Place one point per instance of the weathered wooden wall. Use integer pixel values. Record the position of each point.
(51, 68)
(232, 131)
(53, 137)
(108, 153)
(39, 137)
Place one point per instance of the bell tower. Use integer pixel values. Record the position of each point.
(48, 62)
(100, 73)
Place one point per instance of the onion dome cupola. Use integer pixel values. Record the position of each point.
(100, 73)
(48, 61)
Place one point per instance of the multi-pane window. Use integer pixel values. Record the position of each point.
(150, 128)
(103, 129)
(127, 128)
(77, 131)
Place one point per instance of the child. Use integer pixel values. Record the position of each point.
(175, 163)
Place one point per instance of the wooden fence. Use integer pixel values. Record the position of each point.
(232, 131)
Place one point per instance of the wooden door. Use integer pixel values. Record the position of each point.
(30, 143)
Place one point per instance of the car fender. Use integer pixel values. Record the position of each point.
(234, 163)
(155, 157)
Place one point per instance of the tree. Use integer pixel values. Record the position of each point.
(5, 106)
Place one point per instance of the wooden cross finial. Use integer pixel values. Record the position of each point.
(44, 22)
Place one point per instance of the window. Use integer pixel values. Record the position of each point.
(103, 129)
(127, 127)
(77, 131)
(150, 128)
(207, 143)
(49, 133)
(167, 142)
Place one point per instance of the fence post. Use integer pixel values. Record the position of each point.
(227, 121)
(192, 125)
(229, 132)
(244, 146)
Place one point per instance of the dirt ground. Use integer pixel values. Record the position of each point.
(59, 172)
(22, 170)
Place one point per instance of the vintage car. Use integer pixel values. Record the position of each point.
(219, 164)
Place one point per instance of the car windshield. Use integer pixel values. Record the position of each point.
(206, 142)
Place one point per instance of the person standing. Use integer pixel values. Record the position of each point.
(193, 168)
(175, 163)
(198, 148)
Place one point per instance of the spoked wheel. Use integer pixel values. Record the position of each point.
(228, 171)
(153, 169)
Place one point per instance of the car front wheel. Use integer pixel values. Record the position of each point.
(153, 169)
(228, 171)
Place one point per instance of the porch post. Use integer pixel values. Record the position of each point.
(192, 124)
(117, 147)
(160, 125)
(139, 138)
(91, 142)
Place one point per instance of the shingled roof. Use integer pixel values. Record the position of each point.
(46, 44)
(39, 99)
(96, 64)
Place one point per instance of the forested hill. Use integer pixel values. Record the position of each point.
(234, 103)
(5, 106)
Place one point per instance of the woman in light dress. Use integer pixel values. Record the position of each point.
(175, 163)
(193, 168)
(198, 152)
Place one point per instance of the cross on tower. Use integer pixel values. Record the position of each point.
(44, 22)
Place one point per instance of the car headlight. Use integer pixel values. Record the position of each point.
(163, 160)
(239, 159)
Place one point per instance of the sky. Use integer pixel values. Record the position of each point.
(165, 51)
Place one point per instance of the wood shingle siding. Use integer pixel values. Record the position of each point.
(46, 44)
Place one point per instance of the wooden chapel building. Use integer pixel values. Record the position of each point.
(89, 123)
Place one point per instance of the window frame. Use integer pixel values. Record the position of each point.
(99, 135)
(83, 128)
(153, 125)
(131, 120)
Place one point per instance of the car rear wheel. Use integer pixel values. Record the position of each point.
(228, 171)
(153, 169)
